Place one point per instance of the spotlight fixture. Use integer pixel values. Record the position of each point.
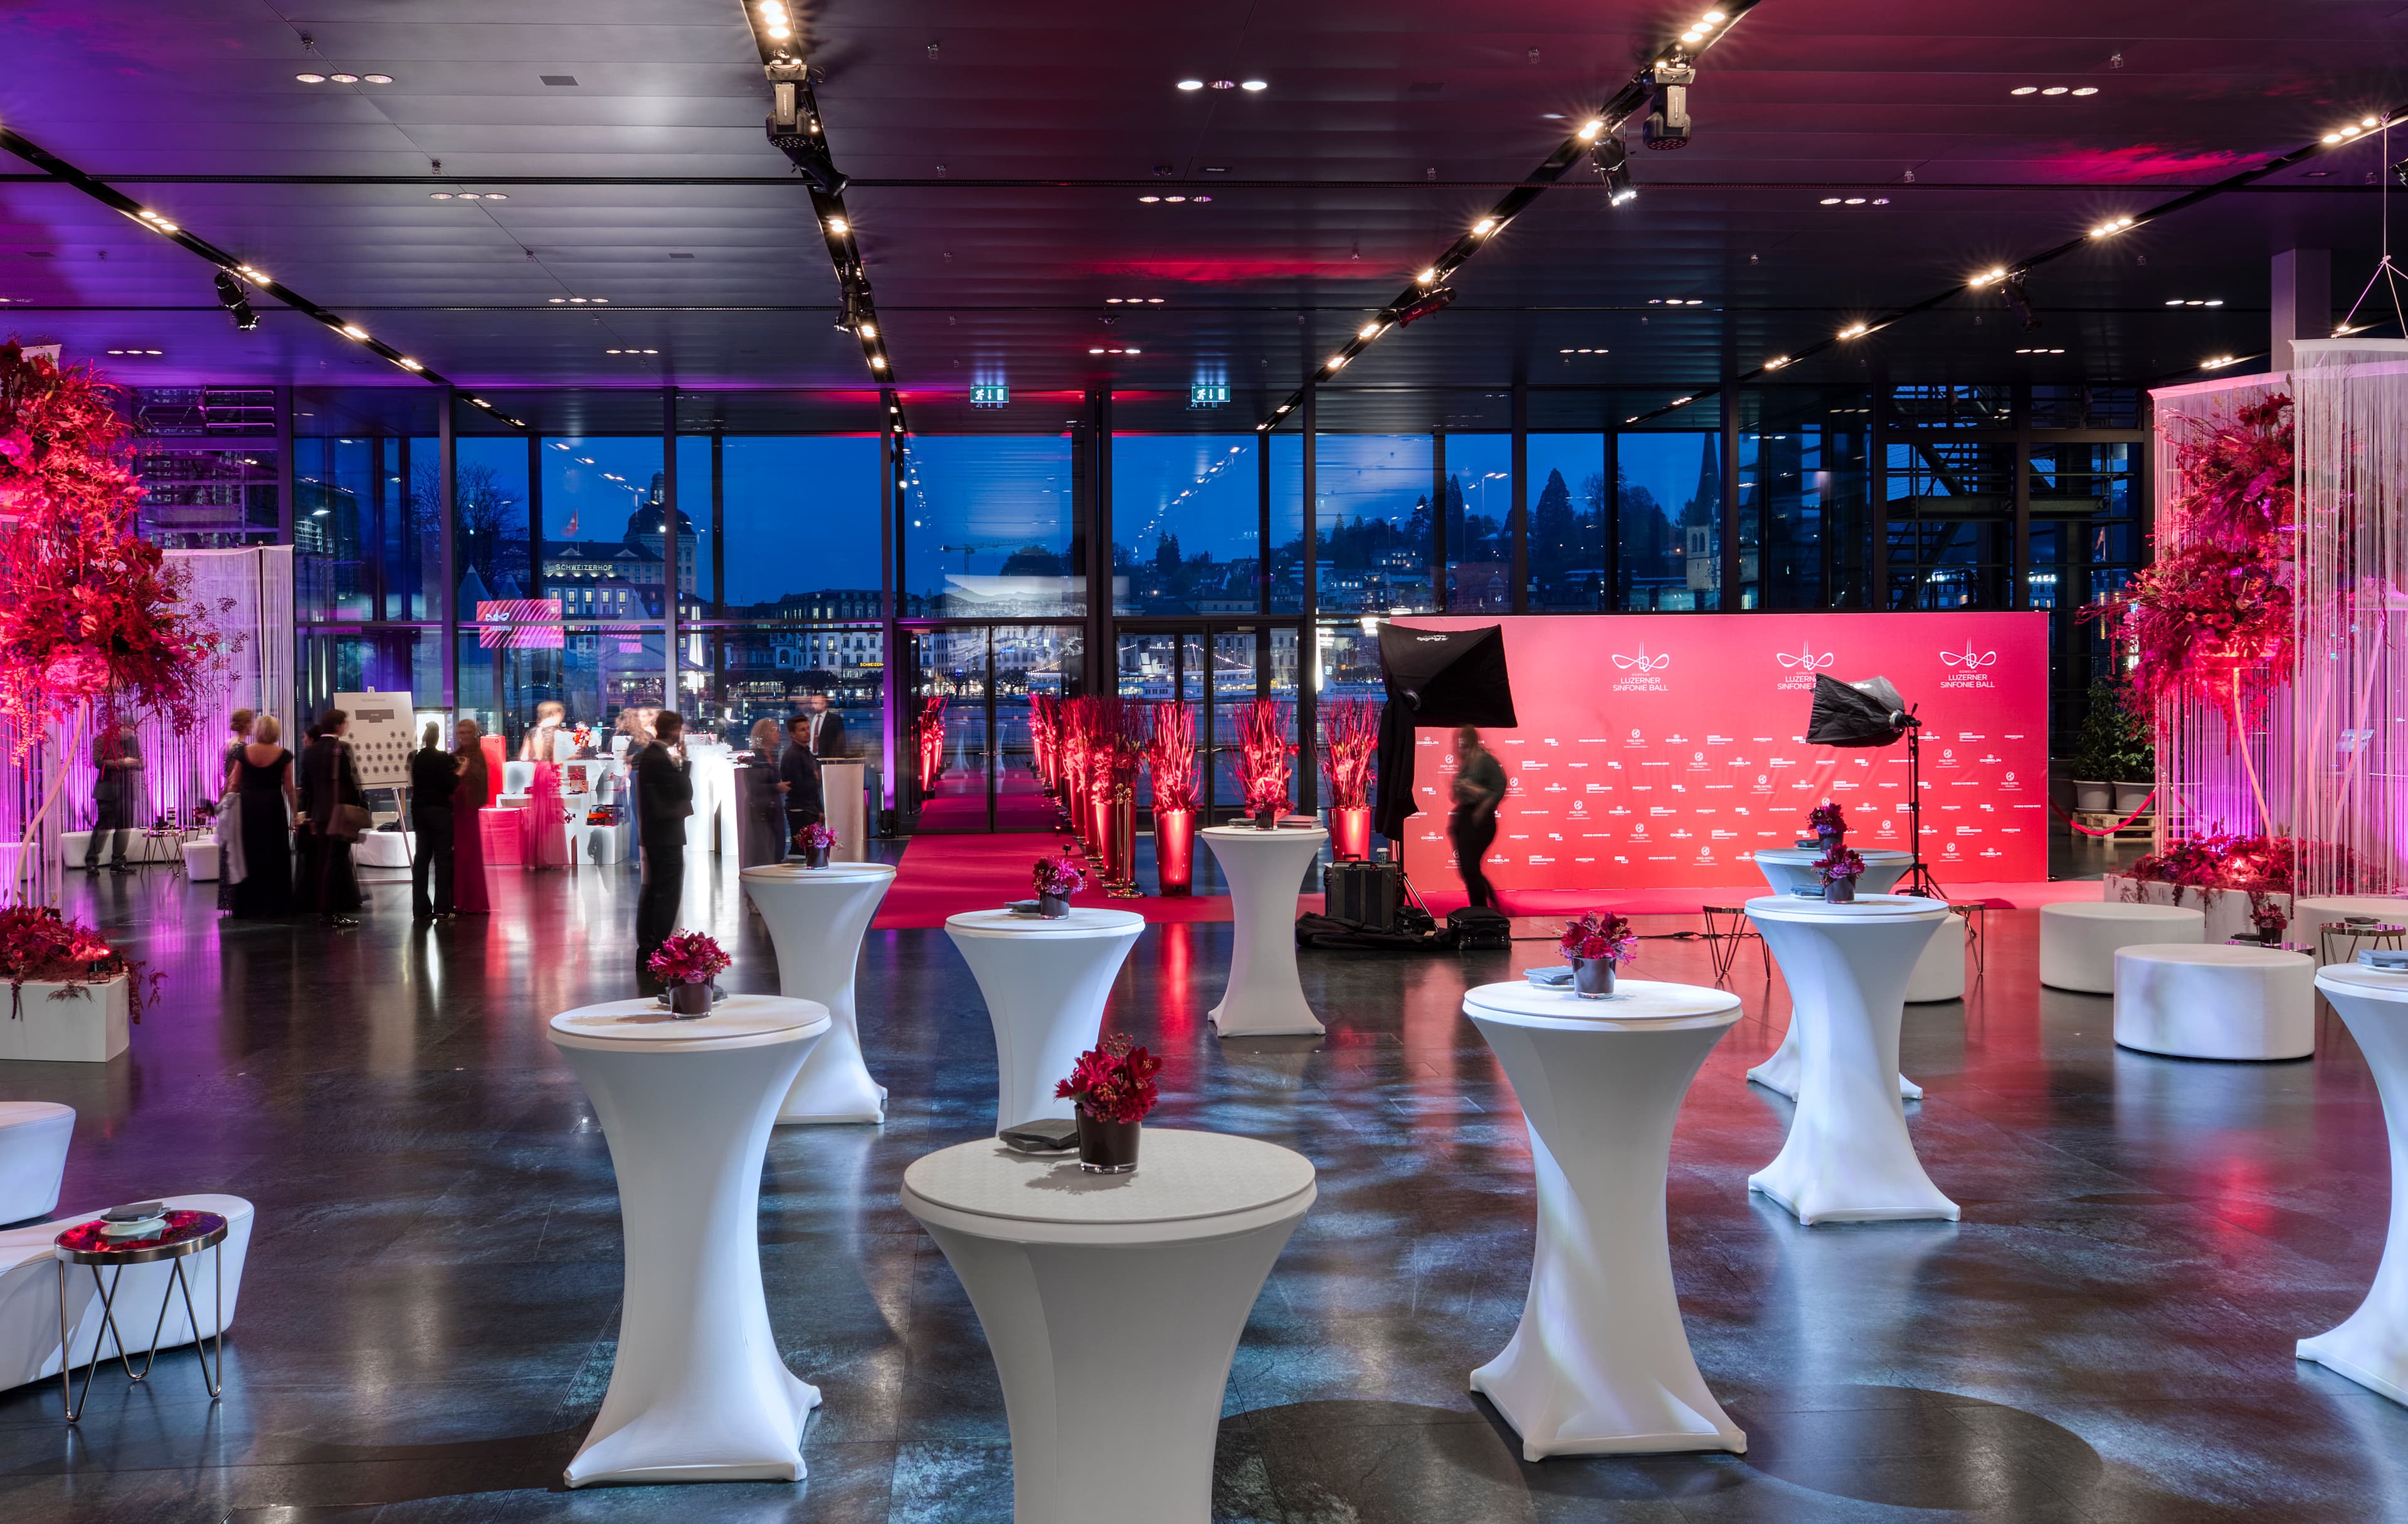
(2349, 130)
(793, 125)
(1256, 85)
(344, 79)
(2039, 351)
(1334, 361)
(1987, 278)
(1613, 162)
(2194, 300)
(1589, 130)
(1370, 330)
(408, 363)
(1776, 361)
(1667, 116)
(1484, 227)
(2219, 361)
(237, 306)
(1855, 330)
(377, 78)
(1423, 305)
(2019, 299)
(1426, 278)
(838, 227)
(251, 273)
(1190, 84)
(2109, 229)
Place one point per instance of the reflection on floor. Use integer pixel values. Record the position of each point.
(427, 1323)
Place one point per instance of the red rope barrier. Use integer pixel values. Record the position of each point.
(2113, 829)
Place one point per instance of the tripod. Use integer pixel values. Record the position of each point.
(1918, 879)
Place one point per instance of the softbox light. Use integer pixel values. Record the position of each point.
(1860, 714)
(1434, 678)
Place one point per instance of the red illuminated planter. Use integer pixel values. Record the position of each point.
(1174, 852)
(1350, 832)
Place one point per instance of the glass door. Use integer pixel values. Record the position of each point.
(951, 718)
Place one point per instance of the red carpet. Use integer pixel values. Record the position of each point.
(1538, 903)
(943, 875)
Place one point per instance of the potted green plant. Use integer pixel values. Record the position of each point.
(2114, 762)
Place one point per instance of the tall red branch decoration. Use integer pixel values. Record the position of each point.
(1350, 732)
(1264, 766)
(94, 620)
(1172, 754)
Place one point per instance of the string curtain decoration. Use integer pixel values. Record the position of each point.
(2348, 729)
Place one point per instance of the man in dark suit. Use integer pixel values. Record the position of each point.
(826, 727)
(116, 794)
(664, 801)
(434, 779)
(798, 778)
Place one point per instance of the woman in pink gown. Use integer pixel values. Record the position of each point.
(546, 844)
(468, 895)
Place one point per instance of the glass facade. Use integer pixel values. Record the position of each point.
(751, 565)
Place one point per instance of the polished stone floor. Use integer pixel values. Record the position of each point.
(427, 1323)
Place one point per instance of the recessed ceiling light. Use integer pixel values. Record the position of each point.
(1174, 199)
(2024, 90)
(1855, 200)
(1112, 301)
(2087, 90)
(1881, 201)
(377, 78)
(1255, 84)
(557, 300)
(1216, 169)
(2053, 90)
(1830, 201)
(1201, 200)
(438, 195)
(1149, 200)
(496, 196)
(344, 79)
(305, 79)
(1190, 84)
(1224, 84)
(355, 331)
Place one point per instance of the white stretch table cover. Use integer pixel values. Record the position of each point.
(2371, 1347)
(1848, 1158)
(2313, 912)
(1787, 868)
(1779, 1072)
(1066, 1269)
(698, 1392)
(1601, 1364)
(2078, 938)
(816, 919)
(1266, 873)
(2215, 1001)
(1045, 984)
(34, 1138)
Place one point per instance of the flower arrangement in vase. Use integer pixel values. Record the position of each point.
(2267, 919)
(38, 945)
(1170, 753)
(1264, 769)
(1055, 879)
(1828, 823)
(814, 841)
(687, 962)
(1113, 1086)
(1349, 744)
(1597, 944)
(1839, 868)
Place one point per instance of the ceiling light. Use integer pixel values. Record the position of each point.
(438, 195)
(1201, 200)
(495, 195)
(557, 300)
(868, 330)
(611, 351)
(2087, 90)
(377, 78)
(1099, 350)
(2219, 361)
(251, 273)
(1485, 224)
(1370, 330)
(305, 79)
(1855, 330)
(1989, 277)
(838, 227)
(1589, 130)
(1334, 361)
(1190, 84)
(1830, 201)
(1692, 35)
(1776, 361)
(1224, 84)
(1174, 199)
(344, 79)
(1281, 408)
(1426, 278)
(2024, 90)
(1254, 84)
(1855, 200)
(2053, 90)
(878, 362)
(355, 331)
(481, 402)
(2106, 230)
(1149, 200)
(1716, 17)
(408, 363)
(1112, 301)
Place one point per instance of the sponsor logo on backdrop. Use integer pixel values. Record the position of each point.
(1799, 666)
(1640, 673)
(1968, 668)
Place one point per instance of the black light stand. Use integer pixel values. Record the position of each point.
(1869, 713)
(1918, 879)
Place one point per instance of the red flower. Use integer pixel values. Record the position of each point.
(1600, 934)
(1113, 1080)
(688, 958)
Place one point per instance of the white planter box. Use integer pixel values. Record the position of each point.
(90, 1026)
(2226, 910)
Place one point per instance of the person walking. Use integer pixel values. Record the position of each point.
(238, 736)
(468, 893)
(434, 779)
(1471, 826)
(260, 780)
(336, 807)
(664, 801)
(115, 793)
(798, 779)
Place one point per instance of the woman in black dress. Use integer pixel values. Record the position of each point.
(262, 774)
(238, 736)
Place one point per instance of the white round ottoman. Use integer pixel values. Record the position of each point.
(32, 1156)
(2078, 939)
(1939, 972)
(2215, 1001)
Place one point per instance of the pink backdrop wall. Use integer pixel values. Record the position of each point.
(1661, 752)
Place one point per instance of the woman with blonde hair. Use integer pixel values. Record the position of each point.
(238, 736)
(469, 896)
(546, 844)
(260, 780)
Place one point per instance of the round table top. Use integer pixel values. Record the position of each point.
(1633, 1000)
(184, 1232)
(2122, 910)
(645, 1023)
(834, 873)
(2358, 979)
(1083, 920)
(2218, 954)
(1181, 1176)
(26, 1113)
(1314, 833)
(1864, 907)
(2382, 906)
(1799, 857)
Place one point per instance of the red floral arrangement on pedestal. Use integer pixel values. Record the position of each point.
(814, 838)
(1600, 934)
(1839, 863)
(1058, 876)
(1113, 1080)
(38, 945)
(1350, 743)
(1826, 816)
(1172, 754)
(1264, 753)
(688, 958)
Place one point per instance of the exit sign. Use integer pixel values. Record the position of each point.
(1208, 394)
(990, 394)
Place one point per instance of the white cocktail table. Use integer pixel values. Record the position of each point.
(1787, 868)
(816, 919)
(1266, 873)
(698, 1392)
(1113, 1304)
(2371, 1347)
(1848, 1158)
(1601, 1364)
(1045, 984)
(1779, 1072)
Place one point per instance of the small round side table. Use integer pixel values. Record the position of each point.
(2355, 935)
(183, 1234)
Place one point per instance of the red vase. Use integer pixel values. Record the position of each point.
(1174, 852)
(1352, 832)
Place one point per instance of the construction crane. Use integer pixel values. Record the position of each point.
(978, 545)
